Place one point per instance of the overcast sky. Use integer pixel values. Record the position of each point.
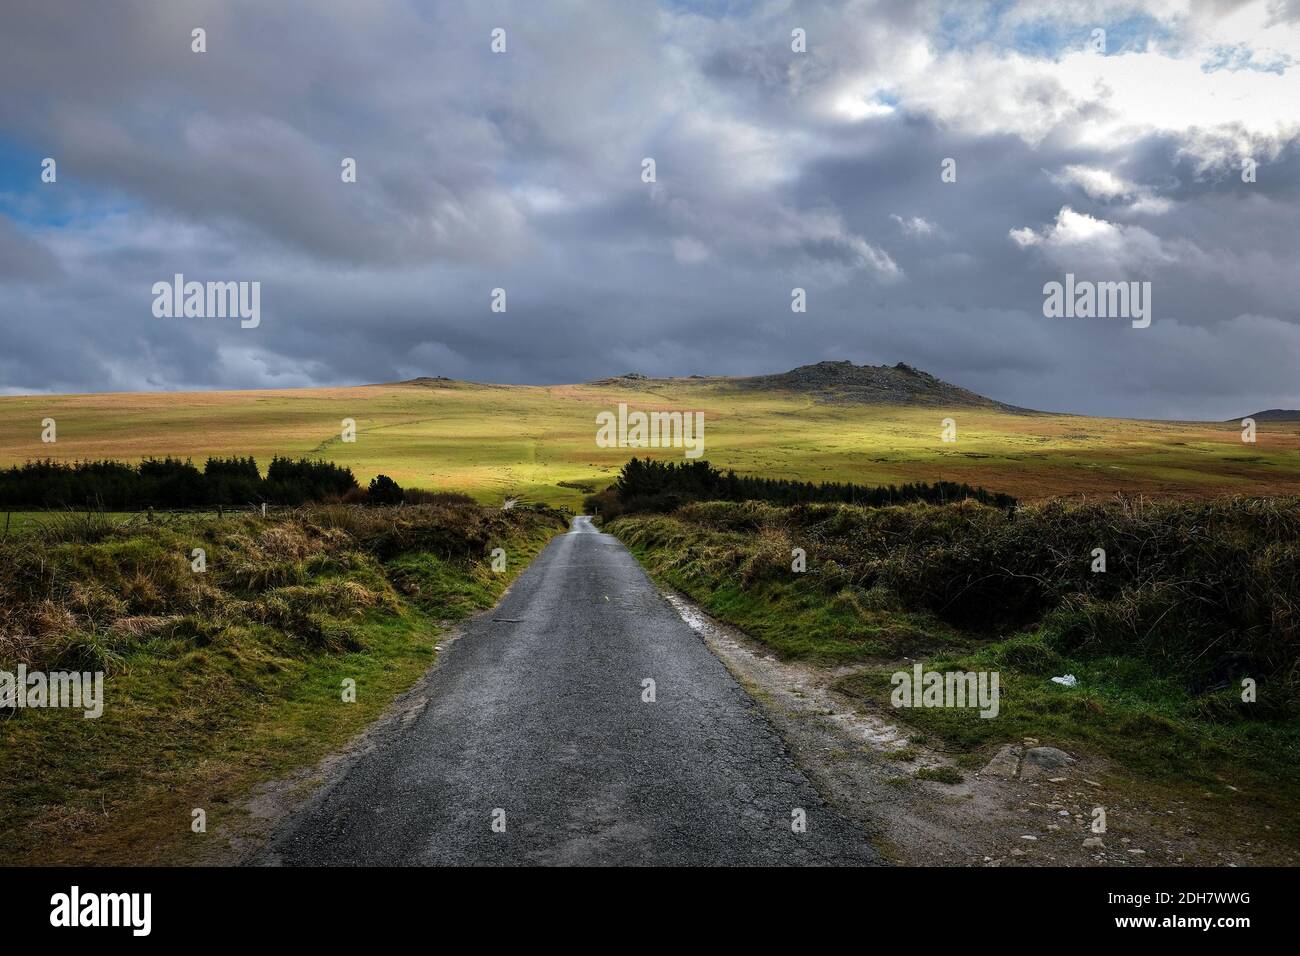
(774, 169)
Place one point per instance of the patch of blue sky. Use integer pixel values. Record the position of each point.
(20, 167)
(31, 202)
(967, 27)
(1241, 57)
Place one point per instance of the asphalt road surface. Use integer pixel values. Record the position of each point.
(535, 720)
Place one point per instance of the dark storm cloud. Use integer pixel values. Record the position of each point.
(523, 171)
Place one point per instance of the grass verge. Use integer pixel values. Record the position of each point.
(221, 680)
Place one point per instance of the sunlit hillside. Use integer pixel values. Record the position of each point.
(539, 442)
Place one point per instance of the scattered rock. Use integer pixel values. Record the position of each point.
(1048, 757)
(1094, 843)
(1039, 760)
(1005, 763)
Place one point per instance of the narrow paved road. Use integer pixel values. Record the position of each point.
(537, 711)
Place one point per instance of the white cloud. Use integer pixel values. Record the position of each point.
(914, 226)
(1024, 237)
(854, 106)
(1097, 183)
(1109, 101)
(1079, 242)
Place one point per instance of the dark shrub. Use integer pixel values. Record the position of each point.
(604, 504)
(233, 481)
(291, 482)
(169, 483)
(384, 491)
(648, 485)
(419, 496)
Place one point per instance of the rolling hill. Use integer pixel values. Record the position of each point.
(829, 421)
(1275, 415)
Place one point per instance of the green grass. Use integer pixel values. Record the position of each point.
(22, 522)
(846, 627)
(538, 442)
(939, 775)
(224, 683)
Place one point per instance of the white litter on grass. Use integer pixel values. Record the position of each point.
(1068, 680)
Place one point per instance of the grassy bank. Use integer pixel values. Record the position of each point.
(222, 679)
(1195, 597)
